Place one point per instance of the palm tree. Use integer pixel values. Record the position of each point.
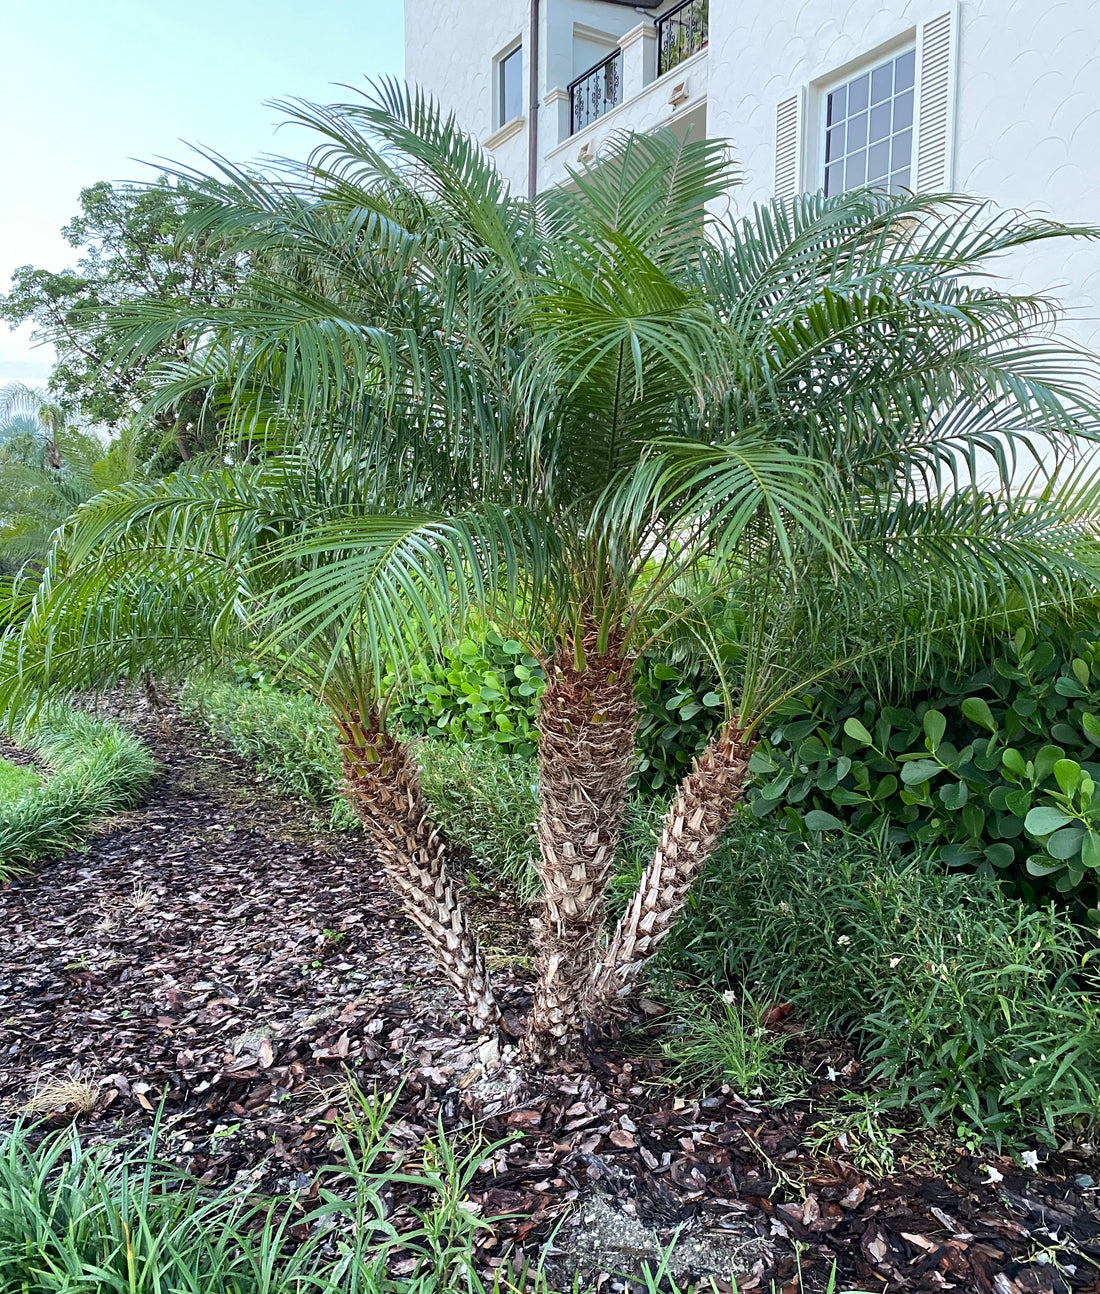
(49, 467)
(589, 418)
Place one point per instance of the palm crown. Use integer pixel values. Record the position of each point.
(585, 417)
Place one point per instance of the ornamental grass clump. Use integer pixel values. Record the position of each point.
(95, 768)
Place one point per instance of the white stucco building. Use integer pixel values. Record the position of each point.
(995, 98)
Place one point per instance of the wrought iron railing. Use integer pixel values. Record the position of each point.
(595, 92)
(681, 32)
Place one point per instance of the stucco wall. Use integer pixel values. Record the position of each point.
(1027, 129)
(449, 50)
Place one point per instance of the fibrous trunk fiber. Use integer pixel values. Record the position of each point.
(587, 726)
(382, 784)
(692, 828)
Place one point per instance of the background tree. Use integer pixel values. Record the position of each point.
(48, 468)
(588, 420)
(128, 239)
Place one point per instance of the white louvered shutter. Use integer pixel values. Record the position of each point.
(937, 75)
(789, 116)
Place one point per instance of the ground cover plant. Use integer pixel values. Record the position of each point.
(15, 781)
(93, 1218)
(968, 1004)
(94, 768)
(585, 420)
(992, 768)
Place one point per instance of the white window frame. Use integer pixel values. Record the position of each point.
(824, 86)
(498, 84)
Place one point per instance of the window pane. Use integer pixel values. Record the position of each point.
(880, 121)
(904, 71)
(878, 162)
(903, 110)
(855, 172)
(857, 132)
(834, 179)
(834, 144)
(837, 108)
(882, 82)
(899, 180)
(903, 149)
(511, 86)
(857, 94)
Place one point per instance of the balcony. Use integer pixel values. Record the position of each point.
(623, 92)
(596, 92)
(681, 32)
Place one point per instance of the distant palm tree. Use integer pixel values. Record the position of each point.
(48, 468)
(589, 418)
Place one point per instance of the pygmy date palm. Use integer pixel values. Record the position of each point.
(590, 417)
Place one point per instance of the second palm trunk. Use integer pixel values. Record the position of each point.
(587, 725)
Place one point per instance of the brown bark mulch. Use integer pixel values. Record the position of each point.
(220, 952)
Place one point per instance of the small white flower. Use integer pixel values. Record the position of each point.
(729, 996)
(994, 1176)
(830, 1075)
(1030, 1159)
(894, 961)
(844, 941)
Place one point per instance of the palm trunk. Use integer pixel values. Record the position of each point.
(382, 784)
(692, 828)
(587, 725)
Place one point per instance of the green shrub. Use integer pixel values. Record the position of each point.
(967, 1003)
(483, 691)
(995, 770)
(679, 710)
(288, 736)
(15, 781)
(97, 769)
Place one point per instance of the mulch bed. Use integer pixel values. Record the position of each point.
(221, 952)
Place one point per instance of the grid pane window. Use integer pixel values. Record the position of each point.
(511, 86)
(869, 128)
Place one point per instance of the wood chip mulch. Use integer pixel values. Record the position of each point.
(220, 952)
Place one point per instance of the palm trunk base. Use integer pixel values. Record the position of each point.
(382, 784)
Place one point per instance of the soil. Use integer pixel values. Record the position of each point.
(221, 953)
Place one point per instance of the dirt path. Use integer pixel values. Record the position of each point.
(219, 951)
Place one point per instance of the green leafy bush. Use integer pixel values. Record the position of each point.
(680, 708)
(967, 1003)
(97, 769)
(486, 690)
(996, 770)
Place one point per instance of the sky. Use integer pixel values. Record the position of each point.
(93, 89)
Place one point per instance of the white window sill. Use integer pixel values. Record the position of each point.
(505, 133)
